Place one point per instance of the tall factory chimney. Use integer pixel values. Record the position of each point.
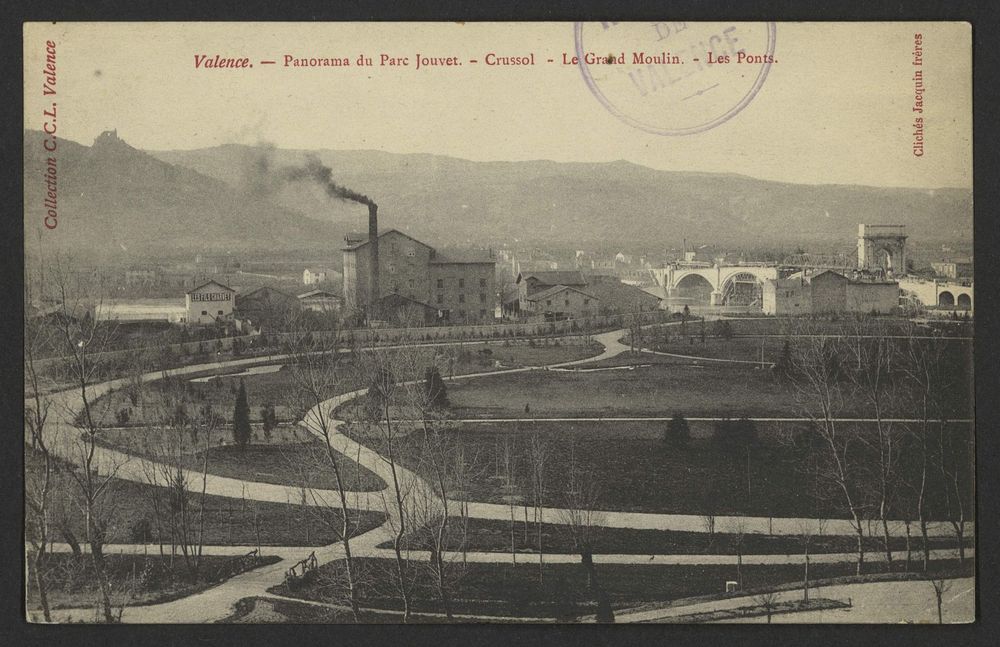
(373, 286)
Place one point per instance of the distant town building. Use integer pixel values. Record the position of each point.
(828, 292)
(209, 303)
(309, 277)
(320, 301)
(959, 268)
(459, 287)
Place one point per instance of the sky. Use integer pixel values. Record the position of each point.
(836, 107)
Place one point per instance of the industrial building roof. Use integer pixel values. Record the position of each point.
(556, 289)
(555, 277)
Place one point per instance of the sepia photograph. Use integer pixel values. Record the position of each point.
(498, 322)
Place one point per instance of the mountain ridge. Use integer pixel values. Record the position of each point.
(237, 197)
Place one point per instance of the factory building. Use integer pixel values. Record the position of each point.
(456, 287)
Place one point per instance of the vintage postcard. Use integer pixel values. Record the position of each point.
(615, 322)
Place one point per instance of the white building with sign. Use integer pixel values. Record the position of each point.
(209, 302)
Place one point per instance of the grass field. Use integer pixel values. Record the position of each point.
(488, 535)
(631, 468)
(136, 579)
(276, 384)
(291, 456)
(655, 390)
(562, 591)
(131, 511)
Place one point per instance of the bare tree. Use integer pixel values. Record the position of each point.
(508, 463)
(768, 601)
(437, 453)
(83, 337)
(806, 537)
(739, 536)
(953, 463)
(940, 586)
(538, 453)
(38, 490)
(873, 379)
(820, 392)
(386, 415)
(314, 366)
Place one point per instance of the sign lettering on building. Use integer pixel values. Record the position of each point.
(211, 296)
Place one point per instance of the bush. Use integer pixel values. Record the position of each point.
(678, 431)
(434, 389)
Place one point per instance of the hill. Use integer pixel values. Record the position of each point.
(458, 202)
(116, 200)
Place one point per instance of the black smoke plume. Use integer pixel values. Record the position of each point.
(315, 171)
(262, 178)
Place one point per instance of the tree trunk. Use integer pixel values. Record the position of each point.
(926, 546)
(43, 594)
(909, 550)
(70, 538)
(861, 546)
(886, 539)
(959, 527)
(805, 578)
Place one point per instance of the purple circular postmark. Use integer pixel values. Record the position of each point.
(674, 78)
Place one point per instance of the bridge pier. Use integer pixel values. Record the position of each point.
(716, 298)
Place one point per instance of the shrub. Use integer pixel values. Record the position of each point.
(678, 431)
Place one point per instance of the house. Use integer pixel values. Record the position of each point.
(320, 301)
(529, 283)
(959, 268)
(309, 277)
(562, 302)
(209, 303)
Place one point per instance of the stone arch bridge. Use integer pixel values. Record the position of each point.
(725, 280)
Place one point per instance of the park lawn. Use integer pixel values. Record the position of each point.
(632, 469)
(275, 383)
(136, 579)
(562, 591)
(300, 465)
(656, 390)
(494, 536)
(291, 456)
(228, 521)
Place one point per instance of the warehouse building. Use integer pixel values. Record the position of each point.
(209, 303)
(828, 292)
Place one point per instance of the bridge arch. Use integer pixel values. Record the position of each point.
(742, 288)
(946, 299)
(694, 287)
(965, 301)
